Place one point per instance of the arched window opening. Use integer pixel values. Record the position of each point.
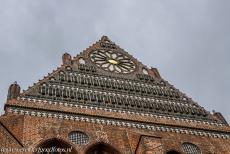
(102, 148)
(55, 146)
(77, 137)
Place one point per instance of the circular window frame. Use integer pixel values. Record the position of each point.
(131, 60)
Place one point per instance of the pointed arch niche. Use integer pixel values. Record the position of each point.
(56, 143)
(102, 148)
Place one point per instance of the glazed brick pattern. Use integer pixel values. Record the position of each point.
(140, 118)
(127, 132)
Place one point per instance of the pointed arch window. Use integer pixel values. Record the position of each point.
(51, 146)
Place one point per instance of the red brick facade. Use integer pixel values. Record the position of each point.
(32, 120)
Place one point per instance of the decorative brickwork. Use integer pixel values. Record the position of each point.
(106, 101)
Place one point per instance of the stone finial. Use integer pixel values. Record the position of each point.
(105, 39)
(14, 91)
(66, 58)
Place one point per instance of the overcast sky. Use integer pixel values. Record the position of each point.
(187, 40)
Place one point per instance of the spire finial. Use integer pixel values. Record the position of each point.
(14, 91)
(66, 58)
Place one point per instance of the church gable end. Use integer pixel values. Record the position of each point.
(105, 100)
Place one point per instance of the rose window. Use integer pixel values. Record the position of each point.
(112, 61)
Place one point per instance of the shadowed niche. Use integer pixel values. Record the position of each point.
(173, 152)
(102, 148)
(55, 146)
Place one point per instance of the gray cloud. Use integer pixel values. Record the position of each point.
(188, 41)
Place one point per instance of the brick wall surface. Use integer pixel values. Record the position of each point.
(126, 140)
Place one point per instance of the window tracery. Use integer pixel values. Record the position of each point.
(190, 148)
(78, 137)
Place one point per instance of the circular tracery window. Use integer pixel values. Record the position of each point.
(112, 61)
(190, 148)
(78, 137)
